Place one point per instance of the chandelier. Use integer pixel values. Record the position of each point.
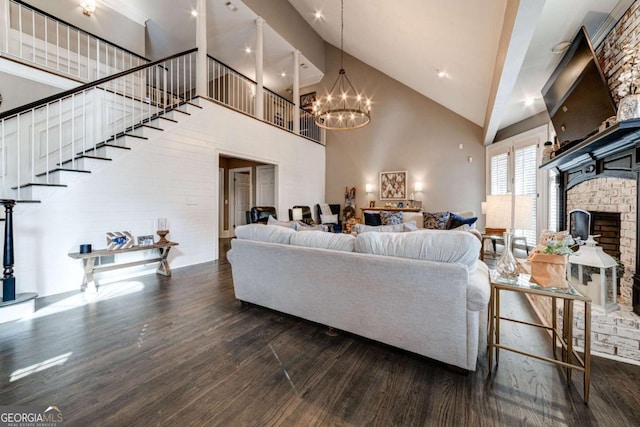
(343, 108)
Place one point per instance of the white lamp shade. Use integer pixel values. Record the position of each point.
(505, 211)
(483, 207)
(368, 188)
(296, 214)
(418, 187)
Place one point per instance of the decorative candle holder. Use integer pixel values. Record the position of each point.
(162, 234)
(163, 230)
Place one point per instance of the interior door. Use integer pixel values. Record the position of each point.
(241, 197)
(265, 185)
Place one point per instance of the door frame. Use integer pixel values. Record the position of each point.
(232, 195)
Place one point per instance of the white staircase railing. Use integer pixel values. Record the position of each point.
(234, 90)
(31, 35)
(53, 134)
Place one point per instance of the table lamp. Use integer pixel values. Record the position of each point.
(511, 213)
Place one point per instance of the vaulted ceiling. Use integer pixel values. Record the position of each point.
(495, 54)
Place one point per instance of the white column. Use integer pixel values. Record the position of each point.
(201, 44)
(4, 18)
(259, 68)
(296, 91)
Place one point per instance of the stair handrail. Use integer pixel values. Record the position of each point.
(42, 102)
(55, 18)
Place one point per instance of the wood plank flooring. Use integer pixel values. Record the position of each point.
(183, 351)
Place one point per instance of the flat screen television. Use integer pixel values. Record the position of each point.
(577, 95)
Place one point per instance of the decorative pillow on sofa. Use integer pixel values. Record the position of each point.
(432, 245)
(456, 221)
(287, 224)
(436, 220)
(372, 218)
(361, 228)
(265, 233)
(301, 226)
(329, 219)
(413, 216)
(319, 239)
(390, 218)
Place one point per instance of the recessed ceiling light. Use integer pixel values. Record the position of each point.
(442, 74)
(318, 14)
(283, 74)
(247, 49)
(231, 6)
(194, 12)
(560, 47)
(529, 101)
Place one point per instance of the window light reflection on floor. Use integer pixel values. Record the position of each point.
(49, 363)
(104, 293)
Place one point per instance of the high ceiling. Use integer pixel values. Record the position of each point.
(489, 71)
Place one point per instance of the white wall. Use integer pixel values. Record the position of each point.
(172, 175)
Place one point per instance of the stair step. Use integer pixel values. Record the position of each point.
(38, 184)
(82, 157)
(167, 118)
(194, 105)
(152, 127)
(62, 170)
(34, 191)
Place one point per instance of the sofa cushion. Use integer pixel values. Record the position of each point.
(456, 221)
(287, 224)
(433, 245)
(390, 218)
(320, 239)
(372, 218)
(265, 233)
(435, 220)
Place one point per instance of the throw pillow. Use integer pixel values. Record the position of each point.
(287, 224)
(329, 219)
(390, 218)
(409, 226)
(372, 218)
(264, 233)
(301, 226)
(456, 221)
(395, 228)
(436, 220)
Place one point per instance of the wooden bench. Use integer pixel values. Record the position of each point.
(89, 260)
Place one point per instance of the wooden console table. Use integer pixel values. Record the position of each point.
(381, 208)
(89, 259)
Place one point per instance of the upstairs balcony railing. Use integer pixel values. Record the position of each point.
(31, 35)
(54, 134)
(236, 91)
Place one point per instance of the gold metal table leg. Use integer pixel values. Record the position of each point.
(587, 350)
(554, 325)
(497, 339)
(569, 338)
(492, 302)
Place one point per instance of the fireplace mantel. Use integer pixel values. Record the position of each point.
(612, 140)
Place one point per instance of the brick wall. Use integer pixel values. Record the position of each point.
(610, 51)
(612, 195)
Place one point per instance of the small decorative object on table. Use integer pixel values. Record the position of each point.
(549, 267)
(119, 240)
(145, 240)
(163, 230)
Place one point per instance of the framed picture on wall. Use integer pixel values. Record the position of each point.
(393, 185)
(307, 100)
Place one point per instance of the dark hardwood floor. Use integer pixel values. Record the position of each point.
(183, 351)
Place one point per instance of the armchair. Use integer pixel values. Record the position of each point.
(335, 210)
(260, 214)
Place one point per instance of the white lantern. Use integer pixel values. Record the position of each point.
(603, 283)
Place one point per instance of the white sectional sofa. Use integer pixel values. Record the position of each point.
(423, 291)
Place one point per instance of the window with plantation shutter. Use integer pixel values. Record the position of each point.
(500, 173)
(525, 182)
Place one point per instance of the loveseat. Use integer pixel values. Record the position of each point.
(423, 291)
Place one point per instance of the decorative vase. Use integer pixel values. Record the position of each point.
(629, 108)
(507, 265)
(549, 270)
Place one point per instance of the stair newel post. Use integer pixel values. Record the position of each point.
(8, 281)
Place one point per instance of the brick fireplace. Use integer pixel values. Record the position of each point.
(613, 205)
